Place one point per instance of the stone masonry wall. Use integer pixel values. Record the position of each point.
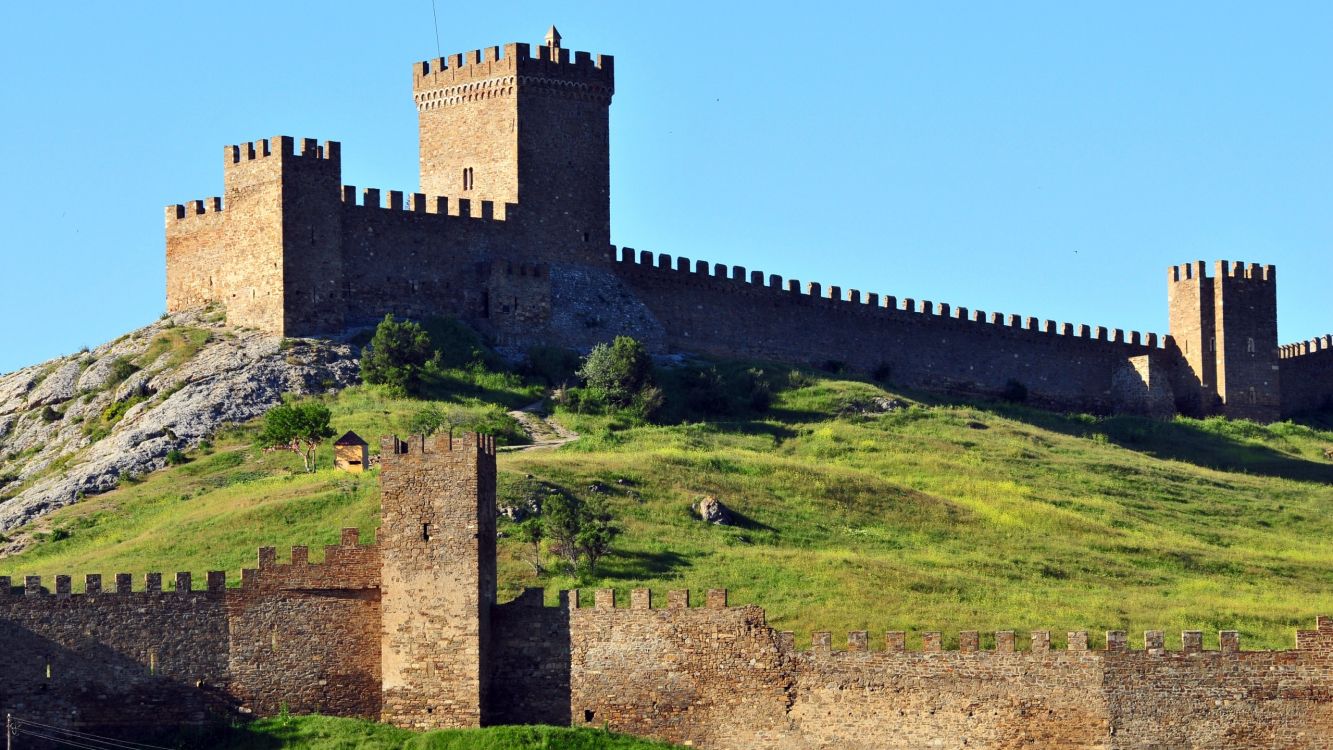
(1307, 375)
(306, 636)
(718, 677)
(437, 544)
(731, 312)
(112, 656)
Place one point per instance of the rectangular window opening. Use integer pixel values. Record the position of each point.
(425, 532)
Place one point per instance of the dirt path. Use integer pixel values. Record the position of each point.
(546, 433)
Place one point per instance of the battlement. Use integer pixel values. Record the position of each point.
(1302, 348)
(420, 203)
(124, 584)
(347, 565)
(1223, 269)
(281, 146)
(742, 281)
(494, 71)
(417, 448)
(202, 207)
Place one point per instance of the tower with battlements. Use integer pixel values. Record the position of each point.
(510, 233)
(1225, 327)
(517, 125)
(437, 551)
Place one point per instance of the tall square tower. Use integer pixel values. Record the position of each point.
(1226, 329)
(524, 129)
(437, 578)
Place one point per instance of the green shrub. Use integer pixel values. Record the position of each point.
(176, 457)
(49, 414)
(121, 368)
(396, 355)
(619, 371)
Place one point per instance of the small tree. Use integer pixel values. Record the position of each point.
(299, 428)
(429, 420)
(619, 371)
(580, 533)
(396, 356)
(530, 533)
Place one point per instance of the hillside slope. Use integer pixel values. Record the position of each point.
(855, 508)
(78, 425)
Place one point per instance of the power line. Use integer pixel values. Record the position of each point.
(17, 727)
(436, 16)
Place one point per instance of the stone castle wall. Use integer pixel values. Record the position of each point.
(1307, 369)
(409, 631)
(729, 311)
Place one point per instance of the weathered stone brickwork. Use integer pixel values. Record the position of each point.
(410, 631)
(437, 545)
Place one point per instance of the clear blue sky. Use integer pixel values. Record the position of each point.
(1049, 159)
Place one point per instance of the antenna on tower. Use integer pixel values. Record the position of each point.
(436, 17)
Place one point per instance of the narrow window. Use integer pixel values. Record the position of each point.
(425, 532)
(1212, 345)
(48, 669)
(152, 661)
(1254, 396)
(585, 236)
(467, 178)
(1249, 345)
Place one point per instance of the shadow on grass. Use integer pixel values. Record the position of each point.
(1178, 440)
(626, 565)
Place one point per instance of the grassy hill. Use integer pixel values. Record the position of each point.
(857, 508)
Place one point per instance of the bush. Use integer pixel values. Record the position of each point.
(458, 346)
(580, 532)
(618, 371)
(121, 368)
(49, 414)
(176, 457)
(396, 355)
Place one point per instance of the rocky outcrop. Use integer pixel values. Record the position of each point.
(78, 425)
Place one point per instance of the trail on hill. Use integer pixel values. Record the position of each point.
(546, 433)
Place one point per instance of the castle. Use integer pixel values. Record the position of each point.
(511, 233)
(409, 630)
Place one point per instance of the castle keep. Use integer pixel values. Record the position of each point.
(409, 630)
(511, 233)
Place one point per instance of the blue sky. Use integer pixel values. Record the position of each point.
(1042, 158)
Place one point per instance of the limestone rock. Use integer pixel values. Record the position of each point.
(236, 376)
(711, 510)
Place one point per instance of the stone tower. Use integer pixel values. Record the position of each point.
(525, 129)
(1226, 329)
(437, 547)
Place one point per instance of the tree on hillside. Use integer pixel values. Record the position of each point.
(299, 428)
(579, 532)
(619, 371)
(396, 356)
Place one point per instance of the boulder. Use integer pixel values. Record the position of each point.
(711, 510)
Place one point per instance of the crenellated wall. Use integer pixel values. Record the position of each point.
(1307, 375)
(719, 677)
(729, 311)
(306, 635)
(410, 631)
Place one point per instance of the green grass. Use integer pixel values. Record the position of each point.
(938, 516)
(328, 733)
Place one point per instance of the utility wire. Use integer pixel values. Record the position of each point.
(436, 16)
(20, 724)
(57, 740)
(89, 736)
